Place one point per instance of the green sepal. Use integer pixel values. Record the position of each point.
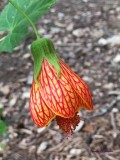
(37, 53)
(51, 56)
(44, 48)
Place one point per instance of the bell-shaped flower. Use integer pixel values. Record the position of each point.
(57, 92)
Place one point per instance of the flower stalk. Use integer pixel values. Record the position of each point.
(27, 17)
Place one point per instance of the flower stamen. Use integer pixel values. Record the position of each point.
(67, 125)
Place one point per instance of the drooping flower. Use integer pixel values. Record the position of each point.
(59, 98)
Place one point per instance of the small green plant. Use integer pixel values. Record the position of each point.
(3, 125)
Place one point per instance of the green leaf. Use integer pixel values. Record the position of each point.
(3, 127)
(16, 25)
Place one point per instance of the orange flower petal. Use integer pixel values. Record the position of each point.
(79, 85)
(58, 94)
(40, 112)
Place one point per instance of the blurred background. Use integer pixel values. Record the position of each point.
(86, 34)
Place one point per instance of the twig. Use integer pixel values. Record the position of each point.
(116, 131)
(62, 145)
(110, 157)
(116, 92)
(106, 109)
(68, 44)
(97, 156)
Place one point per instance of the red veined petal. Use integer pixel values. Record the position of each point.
(40, 112)
(79, 86)
(58, 94)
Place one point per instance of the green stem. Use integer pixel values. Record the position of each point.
(26, 16)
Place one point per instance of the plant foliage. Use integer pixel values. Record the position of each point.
(16, 25)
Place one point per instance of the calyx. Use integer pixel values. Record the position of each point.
(44, 48)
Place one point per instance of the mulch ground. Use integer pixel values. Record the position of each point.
(80, 30)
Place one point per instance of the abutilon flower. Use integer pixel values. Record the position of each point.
(55, 94)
